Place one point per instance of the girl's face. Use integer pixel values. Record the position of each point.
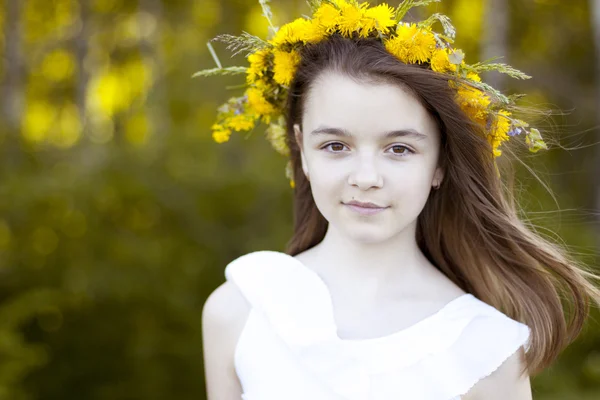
(368, 142)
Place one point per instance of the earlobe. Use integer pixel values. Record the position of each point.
(439, 176)
(304, 166)
(298, 135)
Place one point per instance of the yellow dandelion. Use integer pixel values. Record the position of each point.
(299, 30)
(220, 133)
(401, 44)
(473, 76)
(440, 61)
(327, 16)
(474, 103)
(258, 103)
(351, 18)
(499, 132)
(258, 63)
(285, 66)
(380, 17)
(315, 33)
(502, 125)
(423, 46)
(241, 122)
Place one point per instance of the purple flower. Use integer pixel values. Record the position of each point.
(515, 131)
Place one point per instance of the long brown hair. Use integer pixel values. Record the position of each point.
(497, 257)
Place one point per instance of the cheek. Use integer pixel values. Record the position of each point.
(409, 186)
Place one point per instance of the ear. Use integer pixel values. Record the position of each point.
(438, 177)
(299, 136)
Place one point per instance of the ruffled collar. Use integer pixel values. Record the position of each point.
(298, 305)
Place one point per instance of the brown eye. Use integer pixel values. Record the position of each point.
(335, 147)
(406, 150)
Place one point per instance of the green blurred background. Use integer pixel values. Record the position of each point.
(118, 213)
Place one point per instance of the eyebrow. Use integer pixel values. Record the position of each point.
(386, 135)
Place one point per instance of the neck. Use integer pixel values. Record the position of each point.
(370, 267)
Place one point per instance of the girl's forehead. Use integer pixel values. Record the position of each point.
(363, 106)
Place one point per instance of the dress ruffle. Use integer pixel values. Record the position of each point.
(438, 358)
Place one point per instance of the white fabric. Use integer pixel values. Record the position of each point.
(289, 348)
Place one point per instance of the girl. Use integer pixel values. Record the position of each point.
(409, 275)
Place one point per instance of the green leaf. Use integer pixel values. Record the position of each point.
(534, 141)
(245, 42)
(406, 5)
(220, 71)
(502, 68)
(449, 29)
(456, 57)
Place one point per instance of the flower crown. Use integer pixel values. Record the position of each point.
(273, 63)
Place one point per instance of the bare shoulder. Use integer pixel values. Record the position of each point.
(225, 306)
(506, 382)
(224, 315)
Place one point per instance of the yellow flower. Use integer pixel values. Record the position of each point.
(502, 125)
(315, 33)
(473, 76)
(400, 44)
(258, 103)
(351, 18)
(241, 122)
(327, 16)
(411, 44)
(220, 133)
(380, 17)
(440, 61)
(299, 30)
(258, 63)
(285, 66)
(424, 45)
(499, 133)
(474, 103)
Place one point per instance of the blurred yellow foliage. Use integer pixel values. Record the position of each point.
(69, 127)
(468, 15)
(136, 129)
(58, 65)
(104, 6)
(109, 93)
(44, 122)
(37, 120)
(114, 90)
(43, 22)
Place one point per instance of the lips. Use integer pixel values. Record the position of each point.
(364, 204)
(365, 209)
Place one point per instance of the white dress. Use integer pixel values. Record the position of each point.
(289, 347)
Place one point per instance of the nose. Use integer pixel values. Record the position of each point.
(365, 173)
